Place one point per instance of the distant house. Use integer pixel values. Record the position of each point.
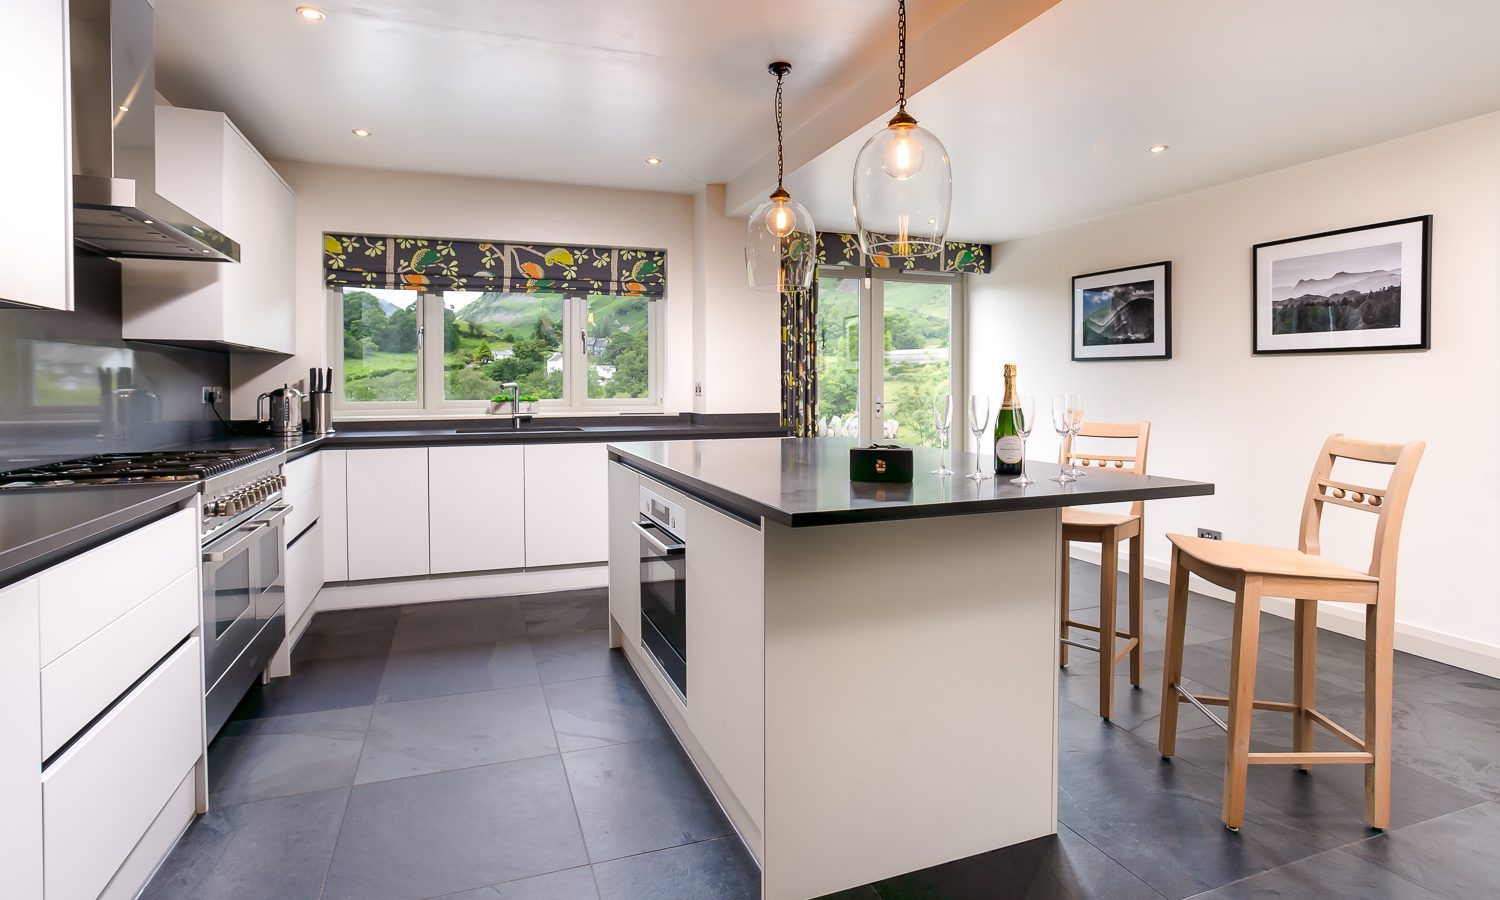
(497, 355)
(604, 371)
(555, 362)
(594, 346)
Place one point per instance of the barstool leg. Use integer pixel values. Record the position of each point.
(1171, 669)
(1305, 676)
(1109, 579)
(1246, 642)
(1380, 629)
(1137, 612)
(1067, 558)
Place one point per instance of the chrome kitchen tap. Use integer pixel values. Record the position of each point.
(515, 404)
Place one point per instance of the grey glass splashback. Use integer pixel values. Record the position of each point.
(69, 386)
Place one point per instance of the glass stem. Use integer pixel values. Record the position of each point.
(1023, 459)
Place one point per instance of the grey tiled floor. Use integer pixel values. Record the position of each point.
(497, 749)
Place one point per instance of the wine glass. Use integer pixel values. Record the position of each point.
(979, 423)
(942, 420)
(1025, 420)
(1077, 426)
(1062, 423)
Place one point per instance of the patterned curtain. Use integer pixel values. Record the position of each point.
(799, 361)
(358, 260)
(837, 249)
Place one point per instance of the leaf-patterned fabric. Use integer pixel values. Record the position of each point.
(799, 361)
(838, 249)
(358, 260)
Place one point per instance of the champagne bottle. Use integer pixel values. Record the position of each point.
(1008, 444)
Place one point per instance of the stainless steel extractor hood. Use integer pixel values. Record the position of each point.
(116, 211)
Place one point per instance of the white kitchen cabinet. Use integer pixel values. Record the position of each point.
(335, 518)
(387, 504)
(477, 508)
(20, 743)
(304, 574)
(624, 554)
(207, 167)
(567, 504)
(36, 192)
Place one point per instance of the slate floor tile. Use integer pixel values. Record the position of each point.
(708, 870)
(252, 851)
(438, 734)
(316, 684)
(1059, 867)
(569, 884)
(459, 622)
(1332, 873)
(1136, 709)
(566, 611)
(348, 633)
(455, 831)
(641, 796)
(1153, 616)
(416, 672)
(1453, 856)
(255, 759)
(595, 712)
(570, 655)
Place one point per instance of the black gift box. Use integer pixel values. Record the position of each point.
(880, 462)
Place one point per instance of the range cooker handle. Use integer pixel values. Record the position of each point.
(667, 549)
(247, 532)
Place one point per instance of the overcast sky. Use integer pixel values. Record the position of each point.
(1287, 272)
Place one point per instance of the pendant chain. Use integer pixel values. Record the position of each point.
(780, 153)
(901, 58)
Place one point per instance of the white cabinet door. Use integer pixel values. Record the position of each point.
(625, 552)
(335, 520)
(567, 504)
(20, 743)
(36, 192)
(260, 212)
(304, 574)
(477, 508)
(387, 503)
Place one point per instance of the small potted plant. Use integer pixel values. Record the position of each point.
(500, 405)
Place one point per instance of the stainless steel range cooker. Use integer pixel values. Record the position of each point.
(243, 544)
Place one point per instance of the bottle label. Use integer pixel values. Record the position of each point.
(1008, 449)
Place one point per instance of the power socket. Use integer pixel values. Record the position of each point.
(212, 395)
(1211, 534)
(697, 389)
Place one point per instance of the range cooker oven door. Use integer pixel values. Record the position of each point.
(244, 614)
(664, 602)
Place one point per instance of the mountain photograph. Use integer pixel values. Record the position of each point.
(1119, 314)
(1345, 290)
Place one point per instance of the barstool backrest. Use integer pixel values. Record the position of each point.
(1135, 461)
(1389, 502)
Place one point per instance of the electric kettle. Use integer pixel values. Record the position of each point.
(284, 410)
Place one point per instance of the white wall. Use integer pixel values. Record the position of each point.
(1252, 425)
(344, 199)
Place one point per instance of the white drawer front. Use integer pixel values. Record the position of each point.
(307, 507)
(304, 575)
(304, 474)
(101, 796)
(86, 593)
(83, 681)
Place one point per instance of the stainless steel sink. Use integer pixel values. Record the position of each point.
(525, 429)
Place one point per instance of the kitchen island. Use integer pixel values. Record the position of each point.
(868, 672)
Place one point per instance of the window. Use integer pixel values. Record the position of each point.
(879, 383)
(449, 353)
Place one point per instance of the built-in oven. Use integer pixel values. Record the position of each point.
(244, 608)
(663, 532)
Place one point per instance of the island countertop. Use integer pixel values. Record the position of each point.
(805, 481)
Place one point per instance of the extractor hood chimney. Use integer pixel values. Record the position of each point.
(116, 211)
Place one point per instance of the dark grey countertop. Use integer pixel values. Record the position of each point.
(805, 481)
(40, 527)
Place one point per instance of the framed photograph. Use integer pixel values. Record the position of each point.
(1123, 313)
(1360, 288)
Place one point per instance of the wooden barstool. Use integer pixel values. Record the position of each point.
(1108, 530)
(1252, 572)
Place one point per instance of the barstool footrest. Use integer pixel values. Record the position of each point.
(1311, 758)
(1300, 757)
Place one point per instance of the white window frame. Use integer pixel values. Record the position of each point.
(430, 382)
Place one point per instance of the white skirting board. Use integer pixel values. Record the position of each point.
(398, 591)
(1342, 618)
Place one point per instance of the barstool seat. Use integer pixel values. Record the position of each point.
(1253, 559)
(1087, 518)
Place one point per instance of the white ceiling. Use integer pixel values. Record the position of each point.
(1049, 126)
(577, 91)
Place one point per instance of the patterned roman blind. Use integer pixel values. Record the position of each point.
(386, 261)
(838, 249)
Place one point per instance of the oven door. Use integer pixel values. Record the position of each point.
(664, 602)
(243, 589)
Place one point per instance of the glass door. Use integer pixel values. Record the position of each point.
(878, 384)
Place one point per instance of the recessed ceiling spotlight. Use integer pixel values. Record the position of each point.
(207, 251)
(1158, 148)
(311, 13)
(652, 161)
(124, 109)
(361, 132)
(148, 222)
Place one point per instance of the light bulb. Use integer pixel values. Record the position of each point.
(780, 220)
(903, 154)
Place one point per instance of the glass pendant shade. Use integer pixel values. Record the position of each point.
(780, 245)
(903, 191)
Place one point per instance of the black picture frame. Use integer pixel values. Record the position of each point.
(1262, 305)
(1160, 273)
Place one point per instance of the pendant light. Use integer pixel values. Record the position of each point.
(780, 242)
(903, 181)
